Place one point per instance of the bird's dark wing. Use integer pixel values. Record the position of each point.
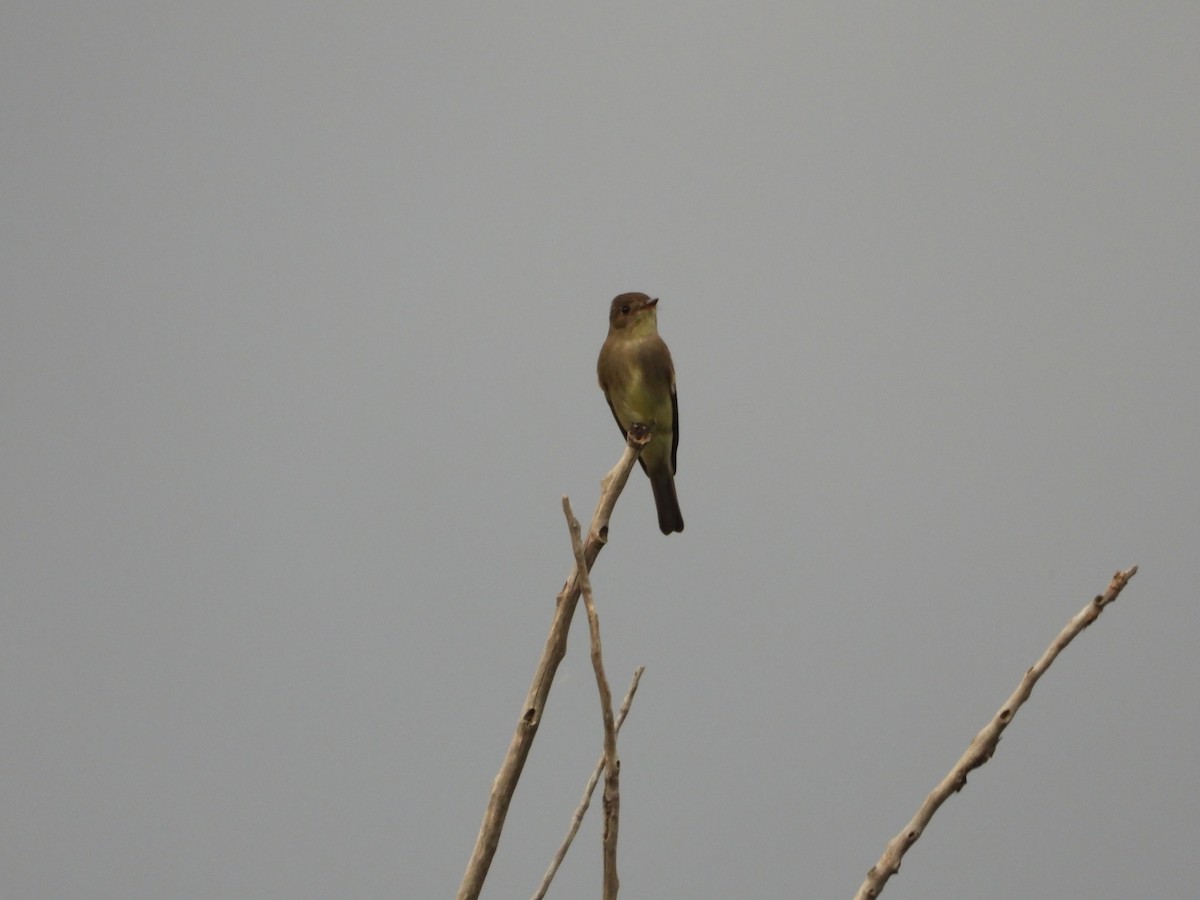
(674, 426)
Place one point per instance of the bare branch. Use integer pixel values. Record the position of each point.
(505, 783)
(612, 765)
(581, 810)
(984, 744)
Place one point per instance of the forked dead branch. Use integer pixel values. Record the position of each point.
(505, 783)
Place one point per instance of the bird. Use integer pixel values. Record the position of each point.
(638, 379)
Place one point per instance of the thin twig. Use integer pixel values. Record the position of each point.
(984, 744)
(505, 783)
(585, 801)
(612, 765)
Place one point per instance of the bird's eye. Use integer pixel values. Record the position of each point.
(625, 310)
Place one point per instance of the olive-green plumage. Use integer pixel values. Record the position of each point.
(638, 380)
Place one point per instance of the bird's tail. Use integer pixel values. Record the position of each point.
(669, 517)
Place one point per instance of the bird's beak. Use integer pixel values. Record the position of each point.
(652, 303)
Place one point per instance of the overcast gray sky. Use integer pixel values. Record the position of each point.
(301, 306)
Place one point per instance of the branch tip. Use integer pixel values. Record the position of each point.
(985, 743)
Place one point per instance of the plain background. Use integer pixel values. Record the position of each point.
(301, 305)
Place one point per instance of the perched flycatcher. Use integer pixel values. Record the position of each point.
(638, 380)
